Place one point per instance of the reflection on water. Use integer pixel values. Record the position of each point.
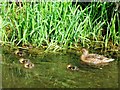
(50, 72)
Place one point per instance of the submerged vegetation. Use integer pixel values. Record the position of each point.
(60, 25)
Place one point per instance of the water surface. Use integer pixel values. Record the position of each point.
(50, 71)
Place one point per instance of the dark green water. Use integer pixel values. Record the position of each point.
(50, 72)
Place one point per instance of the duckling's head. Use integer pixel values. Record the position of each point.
(69, 66)
(85, 52)
(16, 52)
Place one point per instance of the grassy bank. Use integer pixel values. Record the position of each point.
(59, 25)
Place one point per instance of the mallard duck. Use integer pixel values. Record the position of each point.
(94, 59)
(71, 67)
(28, 65)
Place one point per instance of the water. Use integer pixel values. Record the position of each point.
(50, 71)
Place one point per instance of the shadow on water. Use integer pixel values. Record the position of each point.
(50, 72)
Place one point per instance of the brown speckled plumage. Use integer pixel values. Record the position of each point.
(94, 59)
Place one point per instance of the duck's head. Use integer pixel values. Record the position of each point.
(85, 52)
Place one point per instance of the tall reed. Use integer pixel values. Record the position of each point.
(57, 25)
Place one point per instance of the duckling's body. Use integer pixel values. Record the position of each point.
(94, 59)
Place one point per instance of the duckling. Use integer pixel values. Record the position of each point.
(19, 53)
(23, 61)
(71, 67)
(94, 59)
(28, 65)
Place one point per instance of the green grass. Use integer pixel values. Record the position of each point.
(58, 25)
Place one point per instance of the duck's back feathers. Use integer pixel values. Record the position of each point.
(109, 60)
